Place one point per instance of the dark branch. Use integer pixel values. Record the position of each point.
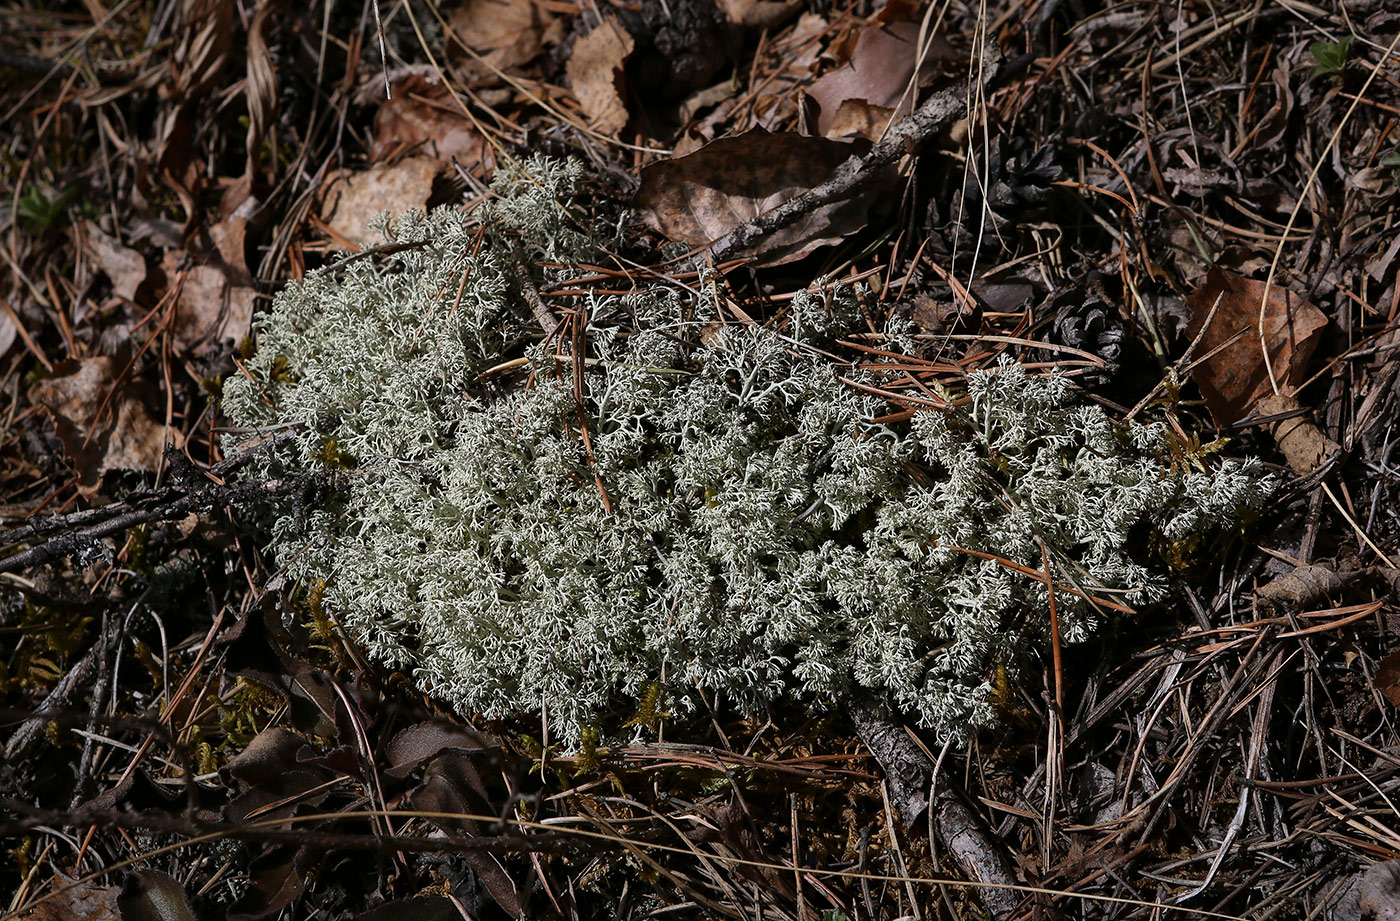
(937, 113)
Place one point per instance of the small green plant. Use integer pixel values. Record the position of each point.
(683, 508)
(41, 209)
(1331, 57)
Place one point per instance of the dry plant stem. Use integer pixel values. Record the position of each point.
(104, 685)
(1307, 184)
(1182, 361)
(32, 730)
(1257, 735)
(192, 491)
(531, 294)
(27, 817)
(907, 771)
(1054, 749)
(941, 110)
(165, 505)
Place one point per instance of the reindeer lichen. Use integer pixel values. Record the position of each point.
(687, 506)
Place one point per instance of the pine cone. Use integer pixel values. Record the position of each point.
(1085, 320)
(1018, 183)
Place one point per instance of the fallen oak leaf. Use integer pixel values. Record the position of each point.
(101, 420)
(1234, 378)
(123, 265)
(706, 195)
(595, 70)
(861, 173)
(352, 200)
(872, 89)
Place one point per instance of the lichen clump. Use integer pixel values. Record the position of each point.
(734, 524)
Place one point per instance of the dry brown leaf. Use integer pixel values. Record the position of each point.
(1387, 679)
(1234, 379)
(210, 311)
(260, 88)
(422, 115)
(101, 420)
(416, 744)
(595, 69)
(123, 265)
(1303, 444)
(858, 118)
(874, 87)
(352, 200)
(214, 306)
(505, 33)
(702, 196)
(1380, 887)
(202, 50)
(759, 14)
(151, 895)
(899, 10)
(79, 903)
(1306, 586)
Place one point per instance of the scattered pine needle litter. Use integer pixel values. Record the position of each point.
(1190, 212)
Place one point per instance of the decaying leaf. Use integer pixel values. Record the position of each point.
(353, 200)
(1303, 444)
(276, 879)
(123, 265)
(1305, 586)
(80, 903)
(423, 117)
(214, 306)
(1387, 679)
(595, 69)
(103, 423)
(960, 316)
(759, 14)
(1233, 379)
(1380, 892)
(452, 785)
(876, 86)
(504, 34)
(702, 196)
(422, 741)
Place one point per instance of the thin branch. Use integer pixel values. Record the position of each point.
(192, 493)
(852, 176)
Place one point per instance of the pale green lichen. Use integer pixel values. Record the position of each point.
(741, 527)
